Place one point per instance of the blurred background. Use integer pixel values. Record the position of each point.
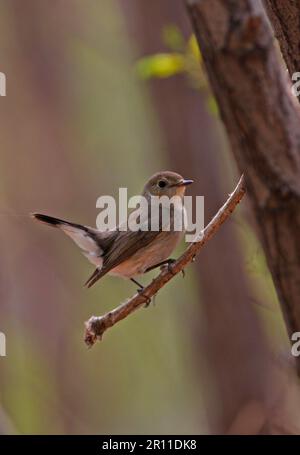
(100, 95)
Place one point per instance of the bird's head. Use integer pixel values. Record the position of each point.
(166, 183)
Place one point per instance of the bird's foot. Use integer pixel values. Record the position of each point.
(168, 265)
(148, 301)
(140, 291)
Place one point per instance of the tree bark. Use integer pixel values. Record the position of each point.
(285, 18)
(262, 122)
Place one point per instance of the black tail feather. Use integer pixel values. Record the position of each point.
(92, 279)
(47, 219)
(50, 220)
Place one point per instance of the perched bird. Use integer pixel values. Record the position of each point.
(128, 253)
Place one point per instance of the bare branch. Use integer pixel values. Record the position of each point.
(96, 326)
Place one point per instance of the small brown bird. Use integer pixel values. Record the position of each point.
(127, 253)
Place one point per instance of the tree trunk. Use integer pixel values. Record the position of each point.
(262, 123)
(285, 18)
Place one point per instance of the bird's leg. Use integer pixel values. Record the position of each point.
(168, 263)
(141, 287)
(140, 291)
(161, 264)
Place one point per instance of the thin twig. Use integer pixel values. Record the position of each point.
(97, 325)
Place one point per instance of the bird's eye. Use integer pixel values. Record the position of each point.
(162, 183)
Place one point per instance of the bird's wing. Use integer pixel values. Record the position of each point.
(124, 246)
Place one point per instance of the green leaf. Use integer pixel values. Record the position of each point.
(173, 38)
(194, 49)
(212, 106)
(160, 65)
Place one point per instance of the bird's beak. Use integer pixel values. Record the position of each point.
(185, 182)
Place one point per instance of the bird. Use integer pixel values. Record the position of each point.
(129, 253)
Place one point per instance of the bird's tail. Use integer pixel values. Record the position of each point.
(85, 237)
(96, 275)
(57, 222)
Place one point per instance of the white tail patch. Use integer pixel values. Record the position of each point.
(91, 249)
(94, 259)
